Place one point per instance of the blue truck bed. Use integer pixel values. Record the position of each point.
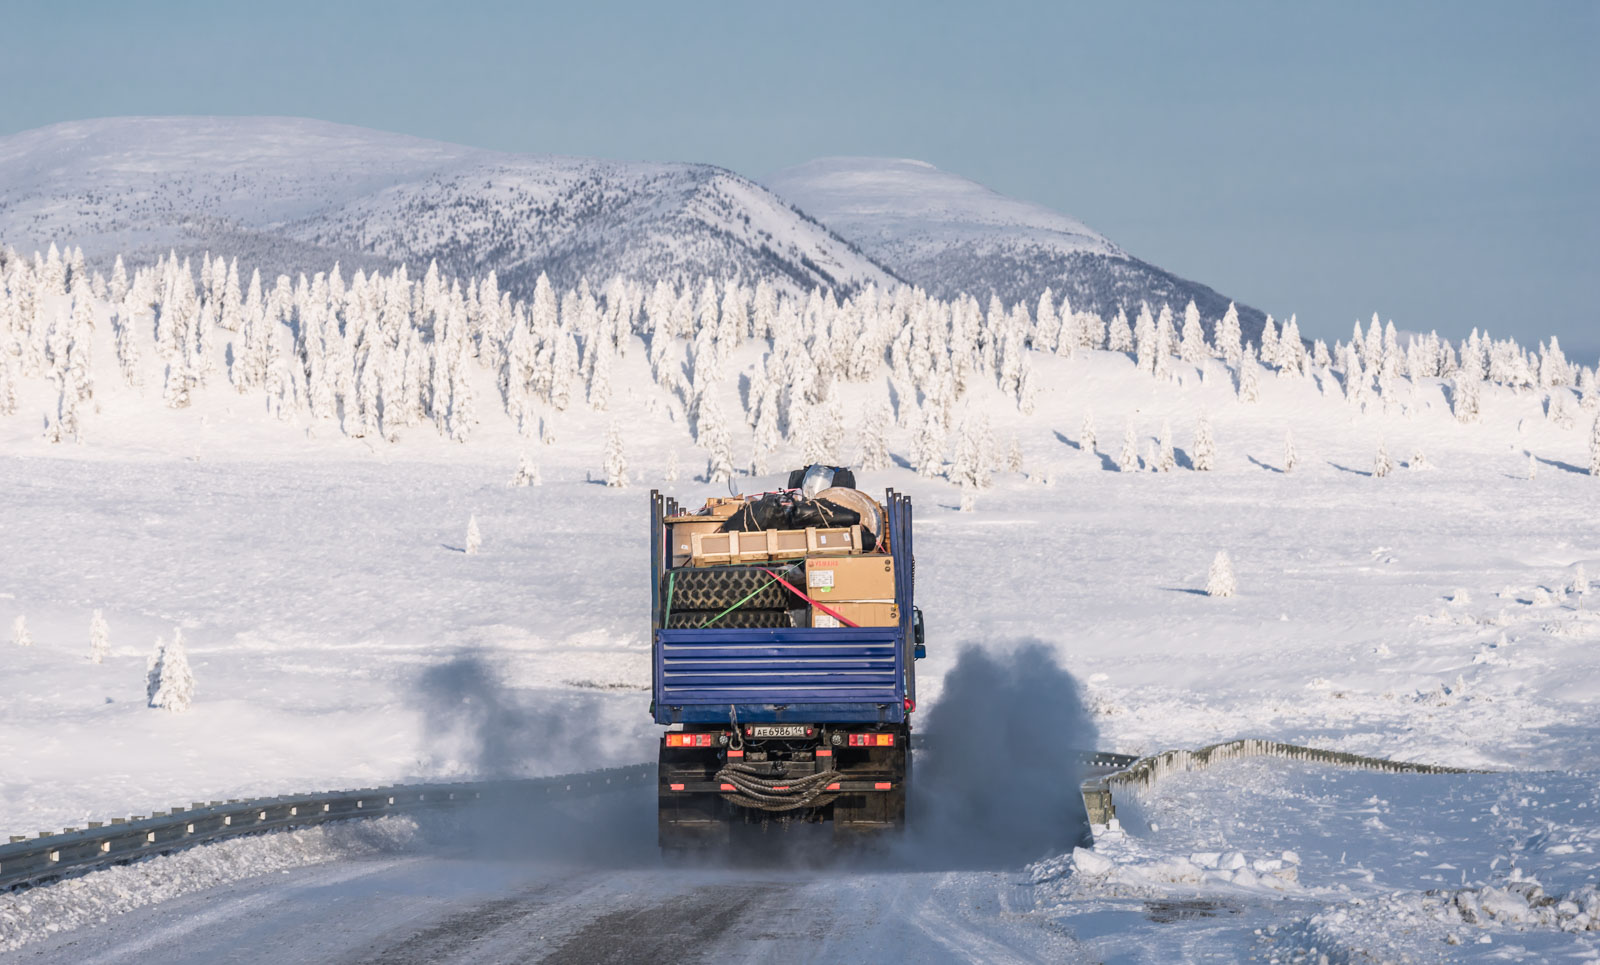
(792, 675)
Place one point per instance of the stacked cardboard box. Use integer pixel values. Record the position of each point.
(858, 588)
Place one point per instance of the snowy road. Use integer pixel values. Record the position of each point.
(477, 910)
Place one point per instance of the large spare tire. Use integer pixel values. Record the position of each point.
(739, 619)
(716, 588)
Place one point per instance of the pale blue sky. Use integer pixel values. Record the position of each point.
(1436, 162)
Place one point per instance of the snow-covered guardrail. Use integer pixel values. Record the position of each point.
(27, 861)
(1142, 772)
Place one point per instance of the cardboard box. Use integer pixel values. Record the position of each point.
(724, 506)
(861, 614)
(865, 578)
(681, 531)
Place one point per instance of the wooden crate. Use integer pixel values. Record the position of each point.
(712, 549)
(681, 531)
(833, 541)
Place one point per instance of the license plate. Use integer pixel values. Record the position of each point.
(778, 730)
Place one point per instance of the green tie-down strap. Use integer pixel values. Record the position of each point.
(736, 606)
(666, 618)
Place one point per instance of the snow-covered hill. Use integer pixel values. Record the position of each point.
(292, 195)
(948, 235)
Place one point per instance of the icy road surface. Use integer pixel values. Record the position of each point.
(1251, 860)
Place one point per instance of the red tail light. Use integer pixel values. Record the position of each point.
(689, 740)
(871, 740)
(910, 705)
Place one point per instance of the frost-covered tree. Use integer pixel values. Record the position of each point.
(671, 475)
(527, 472)
(969, 468)
(1128, 459)
(1464, 398)
(1249, 379)
(1144, 341)
(1269, 342)
(1229, 338)
(1533, 466)
(169, 683)
(99, 638)
(616, 463)
(874, 444)
(1205, 445)
(1419, 460)
(474, 537)
(1291, 458)
(1166, 457)
(1382, 465)
(19, 632)
(1120, 336)
(1086, 438)
(1014, 455)
(927, 449)
(1220, 580)
(1193, 346)
(969, 499)
(1594, 448)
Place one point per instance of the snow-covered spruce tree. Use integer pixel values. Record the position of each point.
(1580, 581)
(99, 638)
(1192, 349)
(1120, 337)
(1533, 466)
(1419, 460)
(616, 463)
(1249, 379)
(19, 632)
(1382, 465)
(874, 443)
(1014, 455)
(969, 499)
(1291, 458)
(1128, 459)
(169, 683)
(1205, 445)
(1086, 438)
(927, 449)
(1144, 341)
(1464, 398)
(474, 538)
(968, 469)
(1220, 581)
(1594, 448)
(671, 475)
(527, 472)
(1269, 342)
(1166, 457)
(1229, 338)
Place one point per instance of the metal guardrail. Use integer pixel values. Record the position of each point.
(1139, 773)
(29, 861)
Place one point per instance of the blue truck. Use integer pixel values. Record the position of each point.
(781, 719)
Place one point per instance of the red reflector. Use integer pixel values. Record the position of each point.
(688, 740)
(871, 740)
(824, 752)
(910, 705)
(732, 753)
(784, 788)
(726, 787)
(833, 787)
(882, 786)
(676, 787)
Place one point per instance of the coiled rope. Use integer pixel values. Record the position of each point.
(758, 789)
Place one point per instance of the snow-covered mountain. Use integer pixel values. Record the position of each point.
(294, 195)
(948, 234)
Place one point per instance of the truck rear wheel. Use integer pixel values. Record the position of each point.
(874, 813)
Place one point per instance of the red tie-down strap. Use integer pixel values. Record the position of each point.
(821, 606)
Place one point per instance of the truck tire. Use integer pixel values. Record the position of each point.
(739, 619)
(716, 588)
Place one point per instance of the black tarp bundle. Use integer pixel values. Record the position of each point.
(790, 510)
